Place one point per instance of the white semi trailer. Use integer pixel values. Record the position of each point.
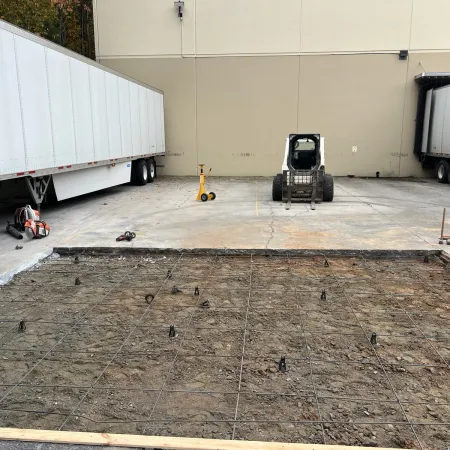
(68, 119)
(432, 144)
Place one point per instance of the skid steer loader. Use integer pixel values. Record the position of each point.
(303, 177)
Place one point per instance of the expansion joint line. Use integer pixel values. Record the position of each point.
(387, 216)
(271, 226)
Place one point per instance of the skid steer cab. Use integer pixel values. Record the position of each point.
(303, 177)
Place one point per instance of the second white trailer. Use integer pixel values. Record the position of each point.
(67, 118)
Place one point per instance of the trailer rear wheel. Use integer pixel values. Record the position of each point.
(139, 174)
(442, 171)
(151, 170)
(328, 188)
(277, 188)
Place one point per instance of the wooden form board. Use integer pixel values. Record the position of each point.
(124, 440)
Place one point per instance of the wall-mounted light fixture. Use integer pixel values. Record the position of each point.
(180, 8)
(403, 55)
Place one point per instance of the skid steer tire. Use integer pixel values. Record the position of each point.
(328, 188)
(277, 188)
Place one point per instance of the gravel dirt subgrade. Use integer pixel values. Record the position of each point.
(366, 343)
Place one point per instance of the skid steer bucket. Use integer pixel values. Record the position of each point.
(303, 186)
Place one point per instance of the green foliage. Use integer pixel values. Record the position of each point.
(65, 22)
(37, 16)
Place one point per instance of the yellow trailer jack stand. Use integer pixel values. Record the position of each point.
(202, 194)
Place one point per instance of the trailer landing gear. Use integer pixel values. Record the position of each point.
(38, 189)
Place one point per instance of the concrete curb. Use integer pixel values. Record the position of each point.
(281, 253)
(5, 277)
(141, 251)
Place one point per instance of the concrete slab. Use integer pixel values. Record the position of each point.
(366, 214)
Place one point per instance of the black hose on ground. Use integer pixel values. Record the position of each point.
(13, 232)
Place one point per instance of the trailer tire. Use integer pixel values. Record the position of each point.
(151, 170)
(277, 188)
(139, 175)
(328, 188)
(442, 171)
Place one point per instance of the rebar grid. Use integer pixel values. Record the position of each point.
(311, 373)
(380, 362)
(49, 351)
(161, 327)
(112, 359)
(161, 390)
(217, 289)
(237, 421)
(418, 273)
(243, 350)
(310, 359)
(302, 394)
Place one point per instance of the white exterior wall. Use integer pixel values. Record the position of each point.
(143, 28)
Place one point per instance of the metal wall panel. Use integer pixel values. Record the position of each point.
(139, 27)
(35, 104)
(113, 114)
(99, 115)
(355, 25)
(143, 115)
(79, 77)
(430, 25)
(12, 150)
(245, 109)
(246, 27)
(58, 70)
(365, 94)
(135, 120)
(125, 118)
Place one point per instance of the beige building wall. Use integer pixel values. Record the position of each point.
(240, 75)
(359, 102)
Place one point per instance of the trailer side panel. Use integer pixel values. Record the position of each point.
(61, 107)
(60, 112)
(12, 145)
(35, 104)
